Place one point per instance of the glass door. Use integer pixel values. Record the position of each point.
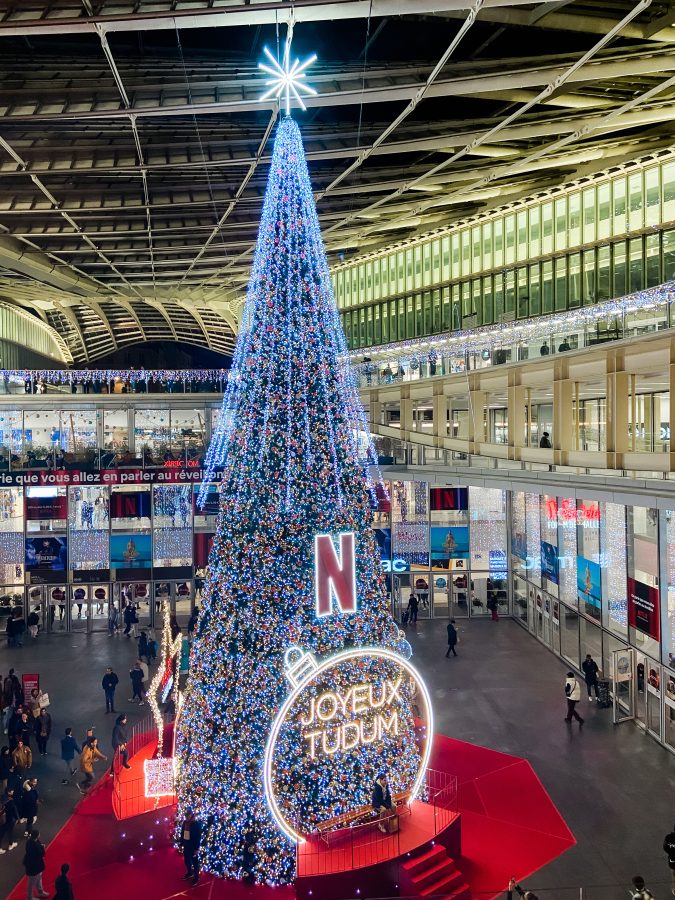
(624, 672)
(641, 684)
(183, 594)
(99, 600)
(79, 606)
(653, 671)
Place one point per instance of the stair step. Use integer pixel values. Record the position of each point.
(443, 867)
(443, 885)
(424, 860)
(463, 892)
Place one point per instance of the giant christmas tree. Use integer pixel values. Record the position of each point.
(287, 440)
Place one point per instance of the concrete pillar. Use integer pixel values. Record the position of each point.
(440, 404)
(564, 426)
(516, 414)
(477, 424)
(618, 384)
(406, 418)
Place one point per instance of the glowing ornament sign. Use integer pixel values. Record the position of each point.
(347, 718)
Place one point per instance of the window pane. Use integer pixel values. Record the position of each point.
(575, 219)
(574, 296)
(652, 196)
(653, 254)
(603, 230)
(561, 223)
(604, 285)
(636, 217)
(487, 245)
(535, 290)
(523, 297)
(547, 287)
(510, 298)
(445, 258)
(636, 265)
(668, 172)
(521, 225)
(547, 228)
(535, 233)
(668, 255)
(588, 290)
(619, 273)
(510, 230)
(475, 249)
(499, 240)
(589, 215)
(561, 284)
(619, 206)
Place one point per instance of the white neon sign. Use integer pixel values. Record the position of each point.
(356, 699)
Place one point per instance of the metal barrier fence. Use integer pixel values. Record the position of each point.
(365, 845)
(129, 797)
(614, 891)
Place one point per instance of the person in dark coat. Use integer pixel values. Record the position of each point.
(452, 638)
(136, 675)
(64, 889)
(34, 864)
(29, 804)
(43, 728)
(109, 682)
(381, 801)
(143, 647)
(191, 837)
(11, 811)
(545, 442)
(5, 765)
(590, 670)
(514, 887)
(669, 850)
(119, 742)
(413, 606)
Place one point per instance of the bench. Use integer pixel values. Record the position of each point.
(362, 815)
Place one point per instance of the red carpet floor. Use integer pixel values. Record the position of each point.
(133, 858)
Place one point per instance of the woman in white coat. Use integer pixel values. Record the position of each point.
(573, 696)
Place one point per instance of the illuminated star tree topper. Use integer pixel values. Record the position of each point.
(287, 79)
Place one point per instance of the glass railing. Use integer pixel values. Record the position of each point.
(464, 351)
(95, 458)
(112, 381)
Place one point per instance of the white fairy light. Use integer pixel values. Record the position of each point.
(288, 80)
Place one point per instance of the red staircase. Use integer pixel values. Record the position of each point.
(432, 873)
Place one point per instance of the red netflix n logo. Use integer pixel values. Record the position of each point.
(335, 578)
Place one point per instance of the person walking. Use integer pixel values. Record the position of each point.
(136, 675)
(119, 742)
(29, 804)
(68, 749)
(90, 753)
(43, 728)
(109, 682)
(63, 886)
(191, 836)
(10, 813)
(34, 865)
(5, 764)
(590, 670)
(453, 638)
(669, 850)
(573, 696)
(113, 620)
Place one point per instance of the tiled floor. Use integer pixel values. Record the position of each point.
(614, 785)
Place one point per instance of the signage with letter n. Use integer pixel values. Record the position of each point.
(335, 576)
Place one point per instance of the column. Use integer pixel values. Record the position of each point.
(617, 409)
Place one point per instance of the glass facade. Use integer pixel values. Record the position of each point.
(590, 243)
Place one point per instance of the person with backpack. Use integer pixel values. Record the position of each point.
(639, 891)
(573, 696)
(669, 850)
(34, 864)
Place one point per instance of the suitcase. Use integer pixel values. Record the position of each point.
(604, 699)
(405, 617)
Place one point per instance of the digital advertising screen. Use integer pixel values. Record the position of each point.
(589, 583)
(47, 554)
(131, 551)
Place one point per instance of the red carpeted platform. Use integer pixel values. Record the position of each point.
(498, 794)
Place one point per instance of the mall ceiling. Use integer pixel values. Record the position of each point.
(134, 148)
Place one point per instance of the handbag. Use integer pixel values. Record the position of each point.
(44, 701)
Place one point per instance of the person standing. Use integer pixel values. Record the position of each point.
(192, 623)
(11, 813)
(119, 742)
(68, 749)
(452, 638)
(493, 606)
(62, 885)
(573, 696)
(5, 764)
(109, 682)
(34, 864)
(545, 442)
(136, 675)
(191, 837)
(43, 728)
(413, 606)
(590, 670)
(33, 622)
(29, 804)
(638, 889)
(22, 757)
(669, 850)
(90, 753)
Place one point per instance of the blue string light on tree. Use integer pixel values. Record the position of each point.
(288, 442)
